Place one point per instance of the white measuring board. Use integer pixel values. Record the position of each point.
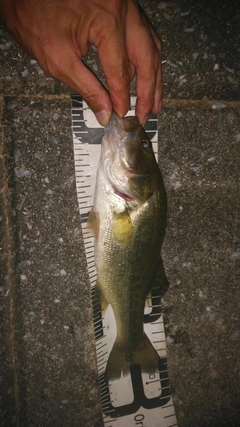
(139, 399)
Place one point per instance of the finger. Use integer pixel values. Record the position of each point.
(146, 61)
(112, 54)
(148, 75)
(132, 72)
(156, 39)
(157, 106)
(145, 56)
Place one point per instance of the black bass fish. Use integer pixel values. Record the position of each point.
(128, 220)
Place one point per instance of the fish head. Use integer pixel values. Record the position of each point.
(128, 158)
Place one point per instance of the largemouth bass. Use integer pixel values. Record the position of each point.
(129, 222)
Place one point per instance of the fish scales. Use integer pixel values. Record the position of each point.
(129, 223)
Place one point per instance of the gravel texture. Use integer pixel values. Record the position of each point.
(48, 371)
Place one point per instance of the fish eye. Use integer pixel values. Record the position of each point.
(145, 143)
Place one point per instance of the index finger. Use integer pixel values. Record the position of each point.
(147, 63)
(112, 53)
(144, 51)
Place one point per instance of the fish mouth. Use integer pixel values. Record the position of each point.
(114, 123)
(117, 132)
(127, 124)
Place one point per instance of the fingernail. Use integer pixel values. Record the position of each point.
(103, 117)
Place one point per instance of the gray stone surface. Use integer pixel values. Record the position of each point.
(53, 313)
(200, 158)
(201, 49)
(8, 368)
(48, 370)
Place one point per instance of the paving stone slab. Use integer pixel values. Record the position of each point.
(53, 313)
(200, 155)
(201, 312)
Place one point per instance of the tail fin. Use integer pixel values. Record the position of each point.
(121, 358)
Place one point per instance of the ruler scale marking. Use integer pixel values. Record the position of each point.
(152, 402)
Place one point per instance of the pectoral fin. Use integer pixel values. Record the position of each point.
(99, 298)
(93, 223)
(122, 227)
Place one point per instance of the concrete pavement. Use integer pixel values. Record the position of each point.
(48, 371)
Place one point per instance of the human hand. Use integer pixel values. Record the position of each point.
(58, 34)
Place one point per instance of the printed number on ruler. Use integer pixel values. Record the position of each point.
(138, 399)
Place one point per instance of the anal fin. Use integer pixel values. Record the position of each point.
(99, 298)
(93, 223)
